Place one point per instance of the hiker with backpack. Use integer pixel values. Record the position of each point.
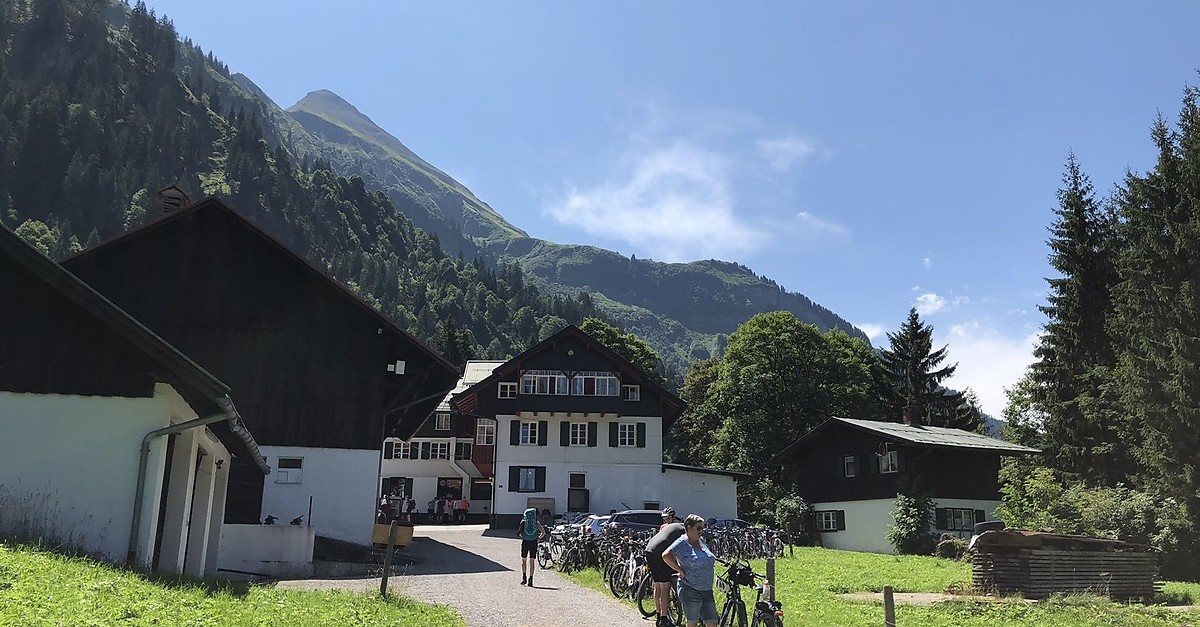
(530, 531)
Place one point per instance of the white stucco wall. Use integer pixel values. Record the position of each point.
(867, 521)
(709, 495)
(274, 550)
(68, 466)
(342, 483)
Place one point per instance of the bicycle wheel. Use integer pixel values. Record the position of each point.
(675, 608)
(543, 555)
(645, 596)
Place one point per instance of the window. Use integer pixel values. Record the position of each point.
(833, 520)
(402, 450)
(579, 434)
(578, 480)
(627, 434)
(506, 389)
(288, 470)
(631, 392)
(595, 384)
(850, 466)
(529, 434)
(544, 382)
(526, 479)
(393, 449)
(462, 450)
(650, 505)
(485, 433)
(442, 422)
(890, 460)
(439, 450)
(960, 520)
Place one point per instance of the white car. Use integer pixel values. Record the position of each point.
(595, 524)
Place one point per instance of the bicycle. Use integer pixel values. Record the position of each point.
(767, 613)
(645, 599)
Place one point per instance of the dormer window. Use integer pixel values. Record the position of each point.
(889, 461)
(442, 421)
(631, 392)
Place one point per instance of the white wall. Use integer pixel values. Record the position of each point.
(274, 550)
(68, 466)
(709, 495)
(867, 521)
(602, 453)
(342, 483)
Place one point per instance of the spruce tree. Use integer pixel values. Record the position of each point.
(912, 368)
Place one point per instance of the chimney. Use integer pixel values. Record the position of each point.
(910, 416)
(172, 198)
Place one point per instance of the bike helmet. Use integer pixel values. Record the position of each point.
(668, 512)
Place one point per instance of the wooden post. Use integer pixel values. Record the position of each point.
(387, 559)
(771, 577)
(889, 608)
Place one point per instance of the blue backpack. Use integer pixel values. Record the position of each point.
(530, 531)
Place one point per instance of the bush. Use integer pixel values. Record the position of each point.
(951, 547)
(791, 514)
(912, 520)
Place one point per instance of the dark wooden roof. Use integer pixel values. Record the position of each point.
(671, 406)
(201, 389)
(736, 474)
(209, 238)
(918, 436)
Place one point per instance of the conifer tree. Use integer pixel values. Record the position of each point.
(912, 367)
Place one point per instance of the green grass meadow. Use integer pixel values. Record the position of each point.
(39, 588)
(809, 583)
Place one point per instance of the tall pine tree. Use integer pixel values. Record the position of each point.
(915, 372)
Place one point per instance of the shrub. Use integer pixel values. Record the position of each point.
(791, 514)
(912, 520)
(951, 547)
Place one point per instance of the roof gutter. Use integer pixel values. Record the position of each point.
(228, 413)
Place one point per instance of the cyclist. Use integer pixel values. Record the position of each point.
(660, 573)
(530, 531)
(695, 563)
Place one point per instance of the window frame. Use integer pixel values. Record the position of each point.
(463, 449)
(626, 435)
(545, 383)
(529, 434)
(849, 466)
(968, 515)
(506, 389)
(578, 434)
(631, 392)
(485, 433)
(441, 421)
(601, 384)
(522, 473)
(889, 462)
(439, 449)
(826, 520)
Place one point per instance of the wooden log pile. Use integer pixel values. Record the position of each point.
(1038, 565)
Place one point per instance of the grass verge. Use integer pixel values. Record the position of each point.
(809, 585)
(41, 588)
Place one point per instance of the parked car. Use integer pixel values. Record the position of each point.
(636, 519)
(729, 523)
(594, 524)
(570, 520)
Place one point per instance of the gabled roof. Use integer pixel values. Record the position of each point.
(192, 382)
(736, 474)
(410, 415)
(475, 371)
(671, 405)
(913, 435)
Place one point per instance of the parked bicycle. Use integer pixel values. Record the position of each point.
(738, 575)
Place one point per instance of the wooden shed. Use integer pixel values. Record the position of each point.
(1039, 564)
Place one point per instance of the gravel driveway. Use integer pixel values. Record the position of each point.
(479, 575)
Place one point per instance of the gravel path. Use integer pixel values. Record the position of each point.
(479, 575)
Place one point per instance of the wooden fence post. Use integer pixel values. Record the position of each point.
(889, 608)
(771, 578)
(387, 559)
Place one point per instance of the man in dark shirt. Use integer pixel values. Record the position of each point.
(659, 571)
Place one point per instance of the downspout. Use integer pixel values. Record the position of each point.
(229, 413)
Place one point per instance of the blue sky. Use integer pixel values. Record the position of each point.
(872, 156)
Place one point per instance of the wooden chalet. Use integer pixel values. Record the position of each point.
(315, 368)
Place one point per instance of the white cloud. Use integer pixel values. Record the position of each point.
(814, 225)
(927, 261)
(929, 303)
(784, 152)
(871, 329)
(988, 360)
(674, 201)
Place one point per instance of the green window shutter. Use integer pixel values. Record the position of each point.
(389, 449)
(980, 515)
(901, 462)
(593, 429)
(841, 520)
(612, 435)
(543, 432)
(514, 478)
(564, 433)
(641, 435)
(539, 479)
(939, 515)
(514, 432)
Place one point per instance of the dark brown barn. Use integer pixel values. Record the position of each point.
(312, 365)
